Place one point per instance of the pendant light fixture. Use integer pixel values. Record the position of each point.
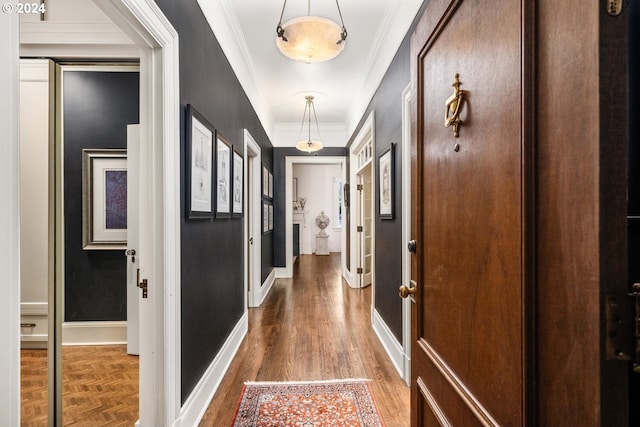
(308, 145)
(311, 38)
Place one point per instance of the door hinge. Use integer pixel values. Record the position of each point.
(635, 293)
(144, 286)
(359, 229)
(619, 330)
(359, 187)
(359, 270)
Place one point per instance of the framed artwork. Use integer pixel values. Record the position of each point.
(199, 165)
(270, 222)
(223, 176)
(265, 217)
(265, 181)
(104, 199)
(386, 184)
(238, 183)
(270, 185)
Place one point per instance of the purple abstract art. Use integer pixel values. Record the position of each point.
(115, 200)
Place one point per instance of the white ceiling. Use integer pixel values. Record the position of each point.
(276, 85)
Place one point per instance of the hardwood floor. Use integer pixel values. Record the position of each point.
(312, 327)
(100, 386)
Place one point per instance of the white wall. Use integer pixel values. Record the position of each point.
(316, 183)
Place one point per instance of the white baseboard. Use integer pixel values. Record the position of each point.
(35, 315)
(266, 287)
(198, 401)
(282, 273)
(351, 280)
(94, 333)
(389, 342)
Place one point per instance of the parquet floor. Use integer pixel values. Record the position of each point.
(312, 327)
(100, 386)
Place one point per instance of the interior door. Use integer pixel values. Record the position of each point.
(133, 292)
(468, 350)
(364, 228)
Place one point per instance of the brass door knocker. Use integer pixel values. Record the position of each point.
(454, 104)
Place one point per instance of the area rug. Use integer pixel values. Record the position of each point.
(347, 403)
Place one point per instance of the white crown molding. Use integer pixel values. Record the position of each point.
(400, 16)
(224, 23)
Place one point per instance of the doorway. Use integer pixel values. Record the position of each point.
(287, 271)
(254, 288)
(155, 43)
(361, 271)
(364, 226)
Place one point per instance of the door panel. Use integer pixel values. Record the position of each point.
(467, 358)
(133, 311)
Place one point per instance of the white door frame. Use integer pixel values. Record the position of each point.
(365, 135)
(146, 25)
(287, 271)
(10, 220)
(407, 96)
(252, 224)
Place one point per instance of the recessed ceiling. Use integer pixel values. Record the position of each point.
(276, 85)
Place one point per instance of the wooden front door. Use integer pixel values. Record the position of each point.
(469, 348)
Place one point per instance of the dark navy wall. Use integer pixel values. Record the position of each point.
(212, 255)
(279, 206)
(97, 107)
(387, 104)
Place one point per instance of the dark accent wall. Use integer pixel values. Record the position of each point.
(387, 104)
(279, 205)
(212, 287)
(97, 107)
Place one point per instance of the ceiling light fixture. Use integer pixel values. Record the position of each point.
(308, 145)
(310, 38)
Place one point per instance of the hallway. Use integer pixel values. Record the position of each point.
(312, 327)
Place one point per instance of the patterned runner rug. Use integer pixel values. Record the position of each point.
(347, 403)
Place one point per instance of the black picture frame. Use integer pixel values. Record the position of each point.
(223, 184)
(237, 200)
(265, 181)
(199, 165)
(386, 183)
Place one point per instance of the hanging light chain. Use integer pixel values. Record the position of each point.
(280, 30)
(343, 34)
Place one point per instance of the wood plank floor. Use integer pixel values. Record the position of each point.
(312, 327)
(100, 386)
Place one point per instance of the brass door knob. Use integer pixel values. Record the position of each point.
(405, 291)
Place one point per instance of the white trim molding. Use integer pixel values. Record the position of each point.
(94, 333)
(252, 221)
(198, 401)
(10, 220)
(389, 342)
(407, 96)
(160, 258)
